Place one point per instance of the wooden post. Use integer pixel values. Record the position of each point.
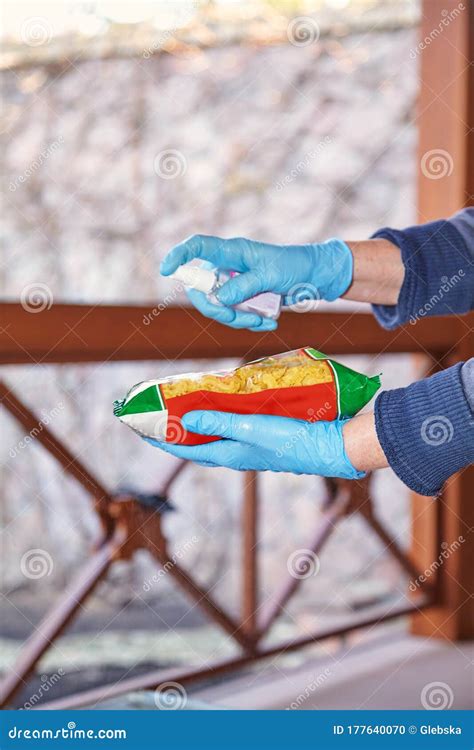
(249, 553)
(446, 117)
(446, 123)
(443, 543)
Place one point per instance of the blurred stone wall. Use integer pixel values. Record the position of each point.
(106, 165)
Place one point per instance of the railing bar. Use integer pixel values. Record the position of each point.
(250, 553)
(65, 458)
(324, 530)
(205, 601)
(56, 620)
(154, 679)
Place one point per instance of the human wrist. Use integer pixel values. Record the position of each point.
(361, 444)
(378, 272)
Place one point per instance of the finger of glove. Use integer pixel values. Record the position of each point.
(267, 324)
(166, 448)
(198, 453)
(255, 429)
(223, 314)
(241, 288)
(231, 454)
(226, 453)
(220, 252)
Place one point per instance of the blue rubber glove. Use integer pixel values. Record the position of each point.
(299, 272)
(266, 443)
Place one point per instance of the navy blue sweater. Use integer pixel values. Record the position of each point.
(427, 429)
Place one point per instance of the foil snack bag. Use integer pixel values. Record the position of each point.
(303, 384)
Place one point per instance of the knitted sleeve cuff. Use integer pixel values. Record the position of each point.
(439, 273)
(426, 430)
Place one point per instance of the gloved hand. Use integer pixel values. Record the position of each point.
(266, 443)
(299, 272)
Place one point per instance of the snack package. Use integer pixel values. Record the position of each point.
(303, 384)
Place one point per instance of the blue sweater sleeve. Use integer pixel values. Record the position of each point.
(439, 270)
(427, 429)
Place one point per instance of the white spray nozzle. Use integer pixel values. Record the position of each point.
(195, 277)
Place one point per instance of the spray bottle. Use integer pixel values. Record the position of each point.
(208, 281)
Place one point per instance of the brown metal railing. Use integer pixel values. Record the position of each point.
(116, 333)
(74, 333)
